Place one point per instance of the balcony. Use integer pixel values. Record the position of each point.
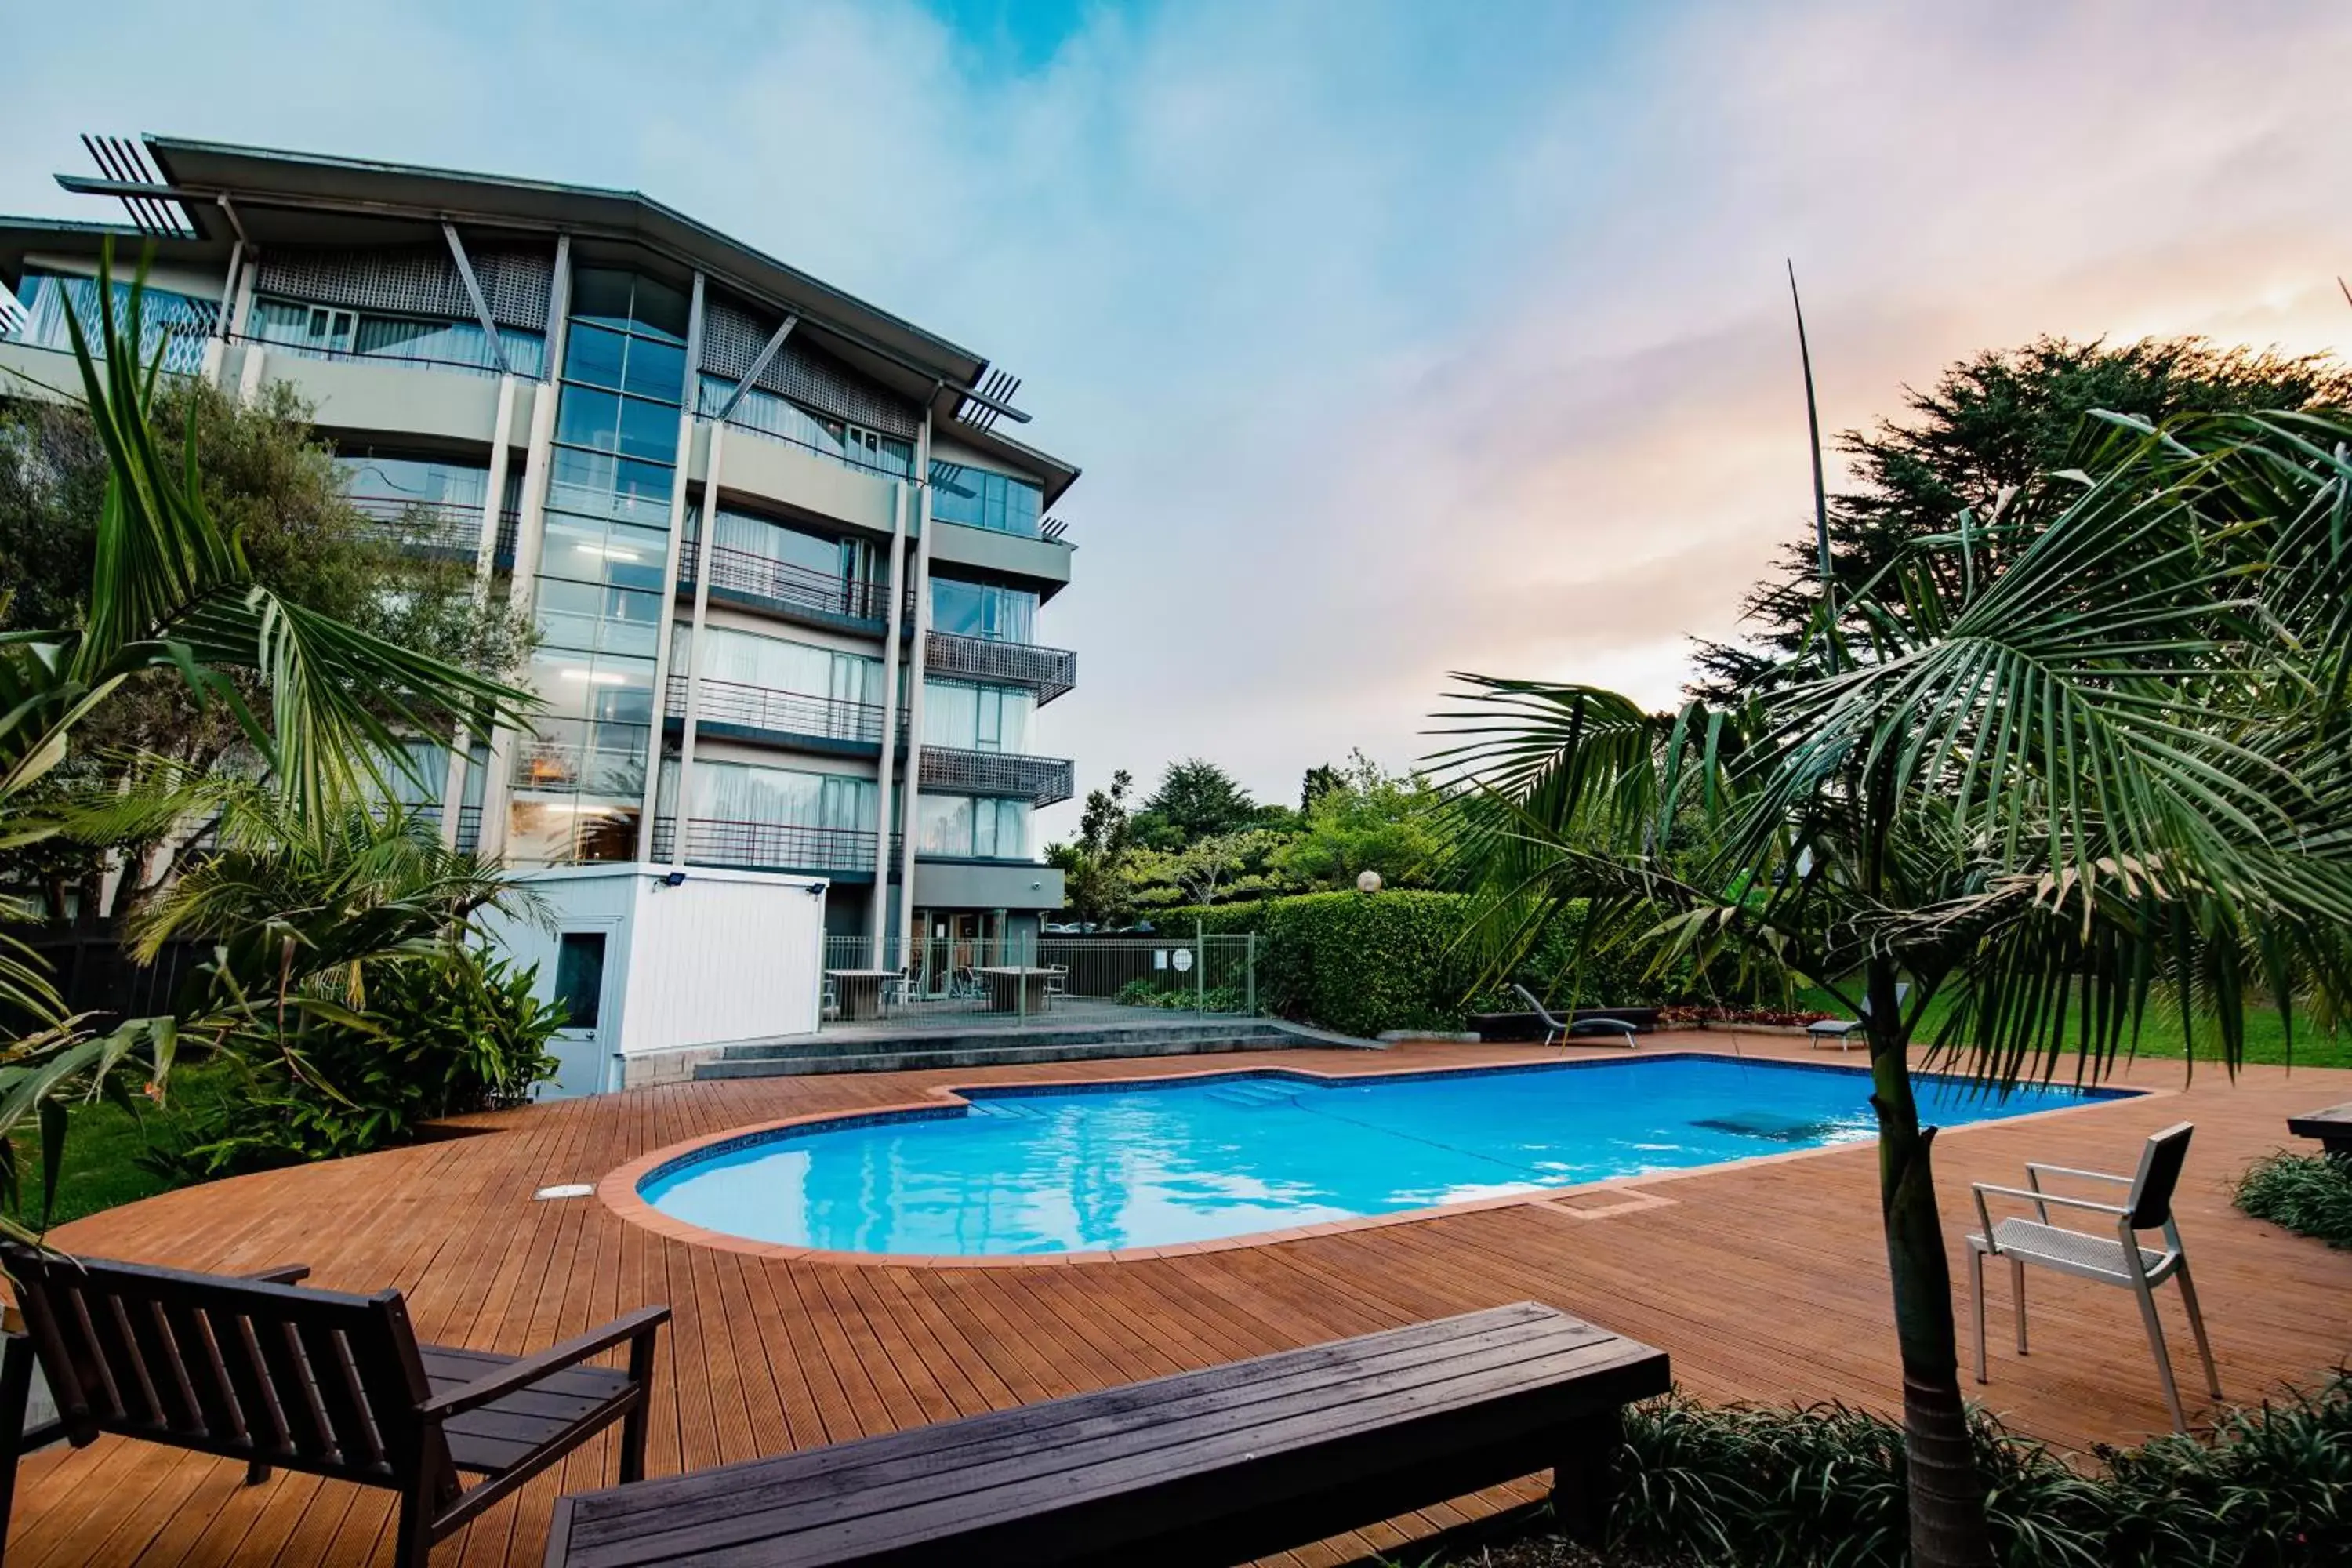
(760, 712)
(1041, 781)
(1047, 671)
(452, 528)
(787, 589)
(767, 845)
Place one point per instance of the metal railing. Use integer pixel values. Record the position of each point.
(781, 582)
(1098, 978)
(780, 712)
(766, 846)
(1050, 672)
(455, 526)
(524, 358)
(1041, 781)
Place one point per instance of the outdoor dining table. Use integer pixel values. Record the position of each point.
(1016, 988)
(860, 991)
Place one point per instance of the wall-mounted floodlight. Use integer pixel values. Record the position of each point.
(675, 879)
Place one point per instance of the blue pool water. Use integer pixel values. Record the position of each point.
(1043, 1170)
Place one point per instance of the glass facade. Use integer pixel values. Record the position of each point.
(579, 784)
(334, 331)
(779, 664)
(176, 324)
(970, 717)
(984, 610)
(972, 828)
(977, 498)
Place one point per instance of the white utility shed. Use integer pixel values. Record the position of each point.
(651, 959)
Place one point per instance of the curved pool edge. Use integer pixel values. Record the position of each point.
(617, 1189)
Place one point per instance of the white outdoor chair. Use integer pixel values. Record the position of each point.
(2117, 1260)
(1557, 1031)
(1057, 980)
(1841, 1029)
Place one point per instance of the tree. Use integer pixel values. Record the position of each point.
(1195, 799)
(269, 483)
(2104, 764)
(1367, 820)
(1989, 425)
(1094, 886)
(1317, 782)
(1223, 865)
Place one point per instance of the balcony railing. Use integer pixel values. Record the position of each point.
(766, 846)
(780, 712)
(1047, 671)
(1042, 780)
(781, 583)
(455, 526)
(470, 352)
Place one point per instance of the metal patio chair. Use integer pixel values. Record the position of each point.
(1057, 980)
(1557, 1031)
(1841, 1029)
(2120, 1260)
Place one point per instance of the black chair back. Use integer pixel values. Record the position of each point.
(315, 1380)
(2159, 1175)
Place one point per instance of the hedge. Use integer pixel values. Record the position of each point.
(1363, 962)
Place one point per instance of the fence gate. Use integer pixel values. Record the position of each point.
(1075, 979)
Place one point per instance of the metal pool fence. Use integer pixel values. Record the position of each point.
(1041, 976)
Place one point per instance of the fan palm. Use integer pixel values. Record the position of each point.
(2110, 772)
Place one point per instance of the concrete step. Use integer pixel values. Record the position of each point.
(927, 1040)
(903, 1057)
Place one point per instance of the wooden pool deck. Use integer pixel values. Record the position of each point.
(1765, 1280)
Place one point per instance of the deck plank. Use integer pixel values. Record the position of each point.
(1765, 1280)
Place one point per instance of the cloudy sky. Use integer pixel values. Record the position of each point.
(1393, 339)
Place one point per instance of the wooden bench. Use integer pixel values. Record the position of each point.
(1213, 1466)
(315, 1380)
(2332, 1127)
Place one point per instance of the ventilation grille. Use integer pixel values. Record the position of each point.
(732, 338)
(419, 281)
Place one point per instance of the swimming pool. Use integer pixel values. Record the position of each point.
(1086, 1168)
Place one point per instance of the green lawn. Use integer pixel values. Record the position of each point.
(2161, 1035)
(104, 1143)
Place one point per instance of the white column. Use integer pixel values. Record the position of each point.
(878, 916)
(486, 555)
(917, 657)
(694, 644)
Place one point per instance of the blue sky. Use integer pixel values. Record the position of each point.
(1393, 338)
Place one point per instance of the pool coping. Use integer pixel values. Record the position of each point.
(618, 1187)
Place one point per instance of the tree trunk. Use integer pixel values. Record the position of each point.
(1948, 1497)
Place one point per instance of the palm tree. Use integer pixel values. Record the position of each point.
(2108, 772)
(172, 594)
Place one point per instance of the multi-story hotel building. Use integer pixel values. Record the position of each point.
(784, 557)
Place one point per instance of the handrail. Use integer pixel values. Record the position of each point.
(779, 712)
(1042, 780)
(769, 845)
(485, 366)
(764, 577)
(1050, 672)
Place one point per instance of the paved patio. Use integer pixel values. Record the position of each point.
(1765, 1280)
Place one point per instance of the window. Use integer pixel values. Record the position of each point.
(977, 498)
(335, 331)
(580, 977)
(778, 663)
(974, 827)
(984, 610)
(977, 718)
(773, 415)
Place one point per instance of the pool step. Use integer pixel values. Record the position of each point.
(784, 1059)
(1254, 1096)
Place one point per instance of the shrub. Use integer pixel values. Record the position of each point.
(445, 1035)
(1361, 963)
(1736, 1485)
(2310, 1194)
(1147, 993)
